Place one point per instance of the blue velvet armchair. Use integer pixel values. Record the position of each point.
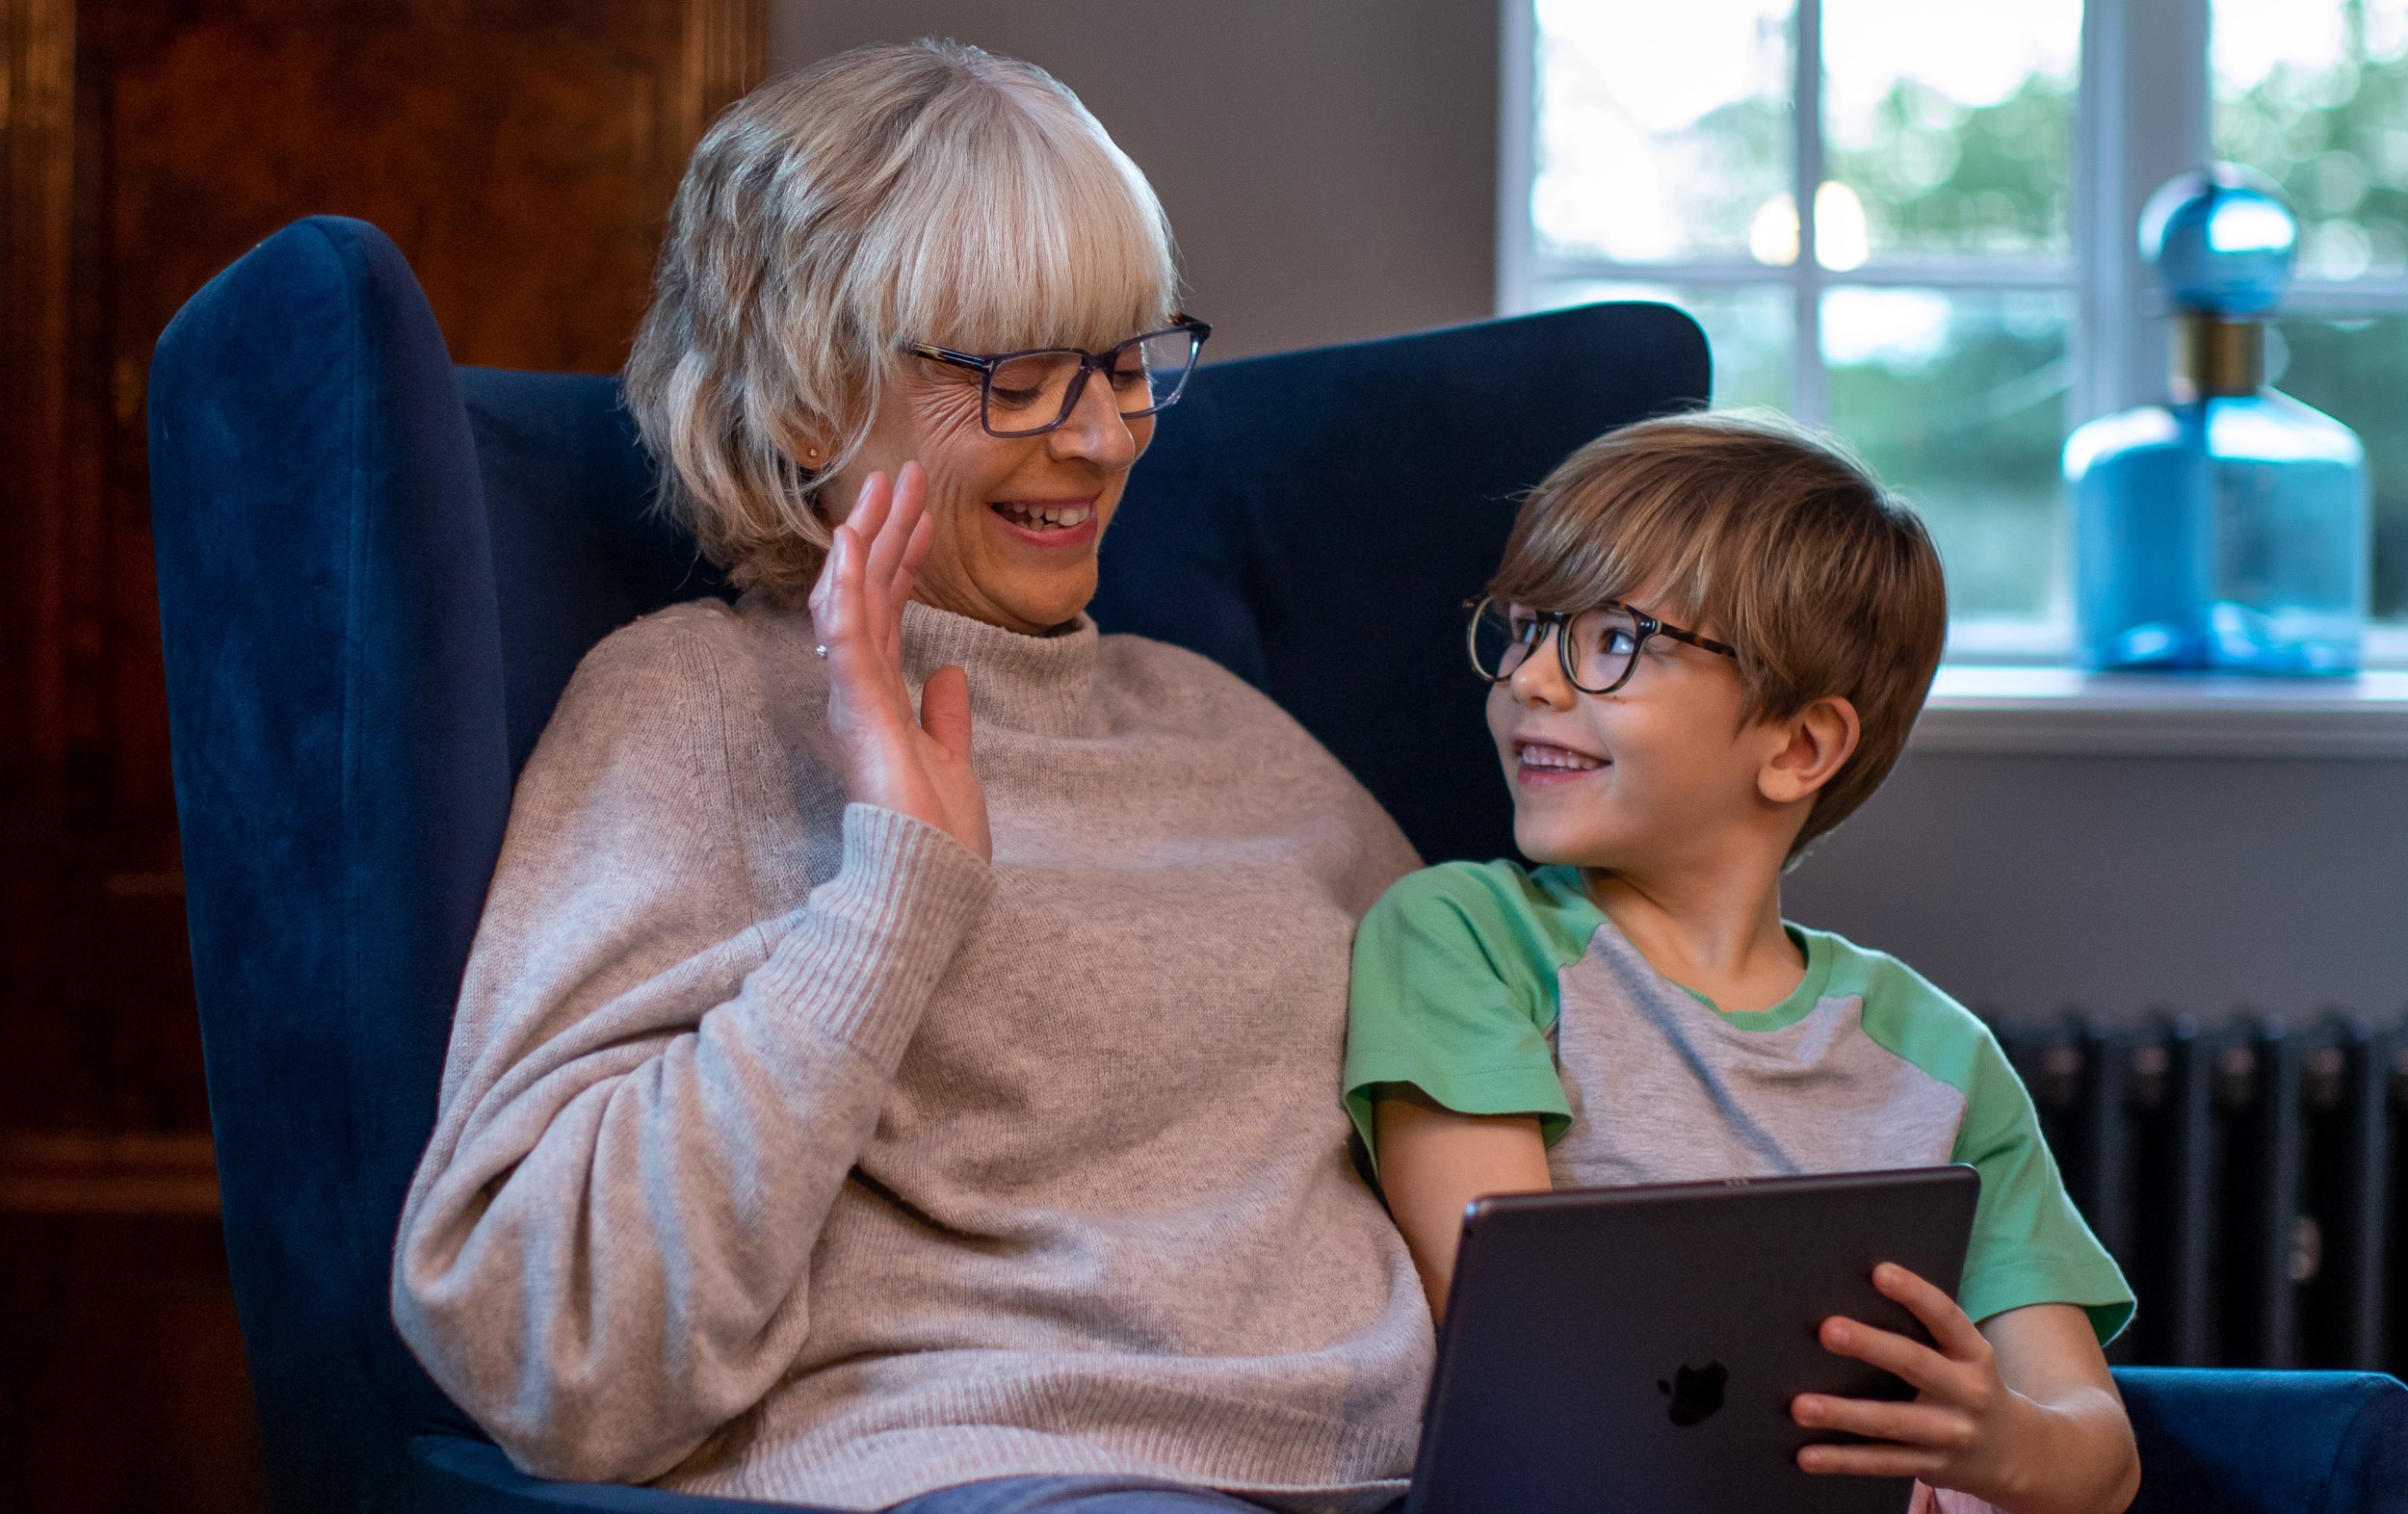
(378, 570)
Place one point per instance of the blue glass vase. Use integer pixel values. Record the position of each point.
(2228, 529)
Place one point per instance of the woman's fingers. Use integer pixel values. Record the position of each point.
(823, 594)
(869, 505)
(1950, 1330)
(892, 534)
(827, 597)
(915, 553)
(846, 621)
(841, 618)
(919, 767)
(918, 529)
(945, 710)
(911, 488)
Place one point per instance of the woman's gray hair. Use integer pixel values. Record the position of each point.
(921, 192)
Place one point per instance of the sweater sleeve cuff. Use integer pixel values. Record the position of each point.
(871, 944)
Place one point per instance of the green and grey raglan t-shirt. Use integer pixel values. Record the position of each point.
(1496, 990)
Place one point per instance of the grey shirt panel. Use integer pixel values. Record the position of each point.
(1665, 1089)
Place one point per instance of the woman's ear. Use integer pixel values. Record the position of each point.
(1822, 738)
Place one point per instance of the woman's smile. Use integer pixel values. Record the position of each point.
(1050, 523)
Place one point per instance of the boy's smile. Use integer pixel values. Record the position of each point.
(1542, 763)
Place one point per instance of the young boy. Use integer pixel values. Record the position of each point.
(1707, 642)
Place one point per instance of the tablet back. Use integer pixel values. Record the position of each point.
(1636, 1349)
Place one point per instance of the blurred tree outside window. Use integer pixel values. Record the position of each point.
(1923, 298)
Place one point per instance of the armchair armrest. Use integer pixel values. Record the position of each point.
(2267, 1442)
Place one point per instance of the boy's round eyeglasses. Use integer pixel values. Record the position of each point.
(1030, 393)
(1599, 647)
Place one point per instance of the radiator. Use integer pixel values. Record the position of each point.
(2248, 1177)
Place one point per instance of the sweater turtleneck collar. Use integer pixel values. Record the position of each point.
(1040, 683)
(1044, 685)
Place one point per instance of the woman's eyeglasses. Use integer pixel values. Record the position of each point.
(1028, 394)
(1599, 647)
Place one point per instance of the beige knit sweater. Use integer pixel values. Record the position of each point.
(789, 1151)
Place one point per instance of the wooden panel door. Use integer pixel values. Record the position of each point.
(522, 153)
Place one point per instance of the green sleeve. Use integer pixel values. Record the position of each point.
(2030, 1245)
(1453, 993)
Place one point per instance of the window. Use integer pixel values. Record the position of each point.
(1908, 220)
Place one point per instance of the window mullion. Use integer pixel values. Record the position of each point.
(1806, 380)
(2099, 295)
(1517, 155)
(2145, 91)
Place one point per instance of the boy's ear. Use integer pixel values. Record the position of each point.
(1822, 738)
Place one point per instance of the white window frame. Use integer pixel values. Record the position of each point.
(2141, 117)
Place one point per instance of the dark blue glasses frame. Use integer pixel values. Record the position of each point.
(987, 363)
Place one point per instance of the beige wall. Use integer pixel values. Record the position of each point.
(1329, 166)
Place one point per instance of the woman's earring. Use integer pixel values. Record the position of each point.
(811, 455)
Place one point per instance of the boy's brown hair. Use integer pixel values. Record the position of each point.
(1756, 532)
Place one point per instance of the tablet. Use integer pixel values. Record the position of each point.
(1636, 1349)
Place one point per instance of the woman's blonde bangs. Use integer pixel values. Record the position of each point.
(1029, 232)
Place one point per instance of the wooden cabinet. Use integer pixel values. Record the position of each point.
(522, 153)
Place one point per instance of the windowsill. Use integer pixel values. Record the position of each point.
(2039, 710)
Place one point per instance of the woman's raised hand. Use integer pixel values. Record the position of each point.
(917, 763)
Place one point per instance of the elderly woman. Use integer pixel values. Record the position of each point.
(851, 1102)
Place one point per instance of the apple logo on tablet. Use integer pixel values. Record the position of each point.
(1696, 1392)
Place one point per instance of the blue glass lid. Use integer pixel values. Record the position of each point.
(2222, 239)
